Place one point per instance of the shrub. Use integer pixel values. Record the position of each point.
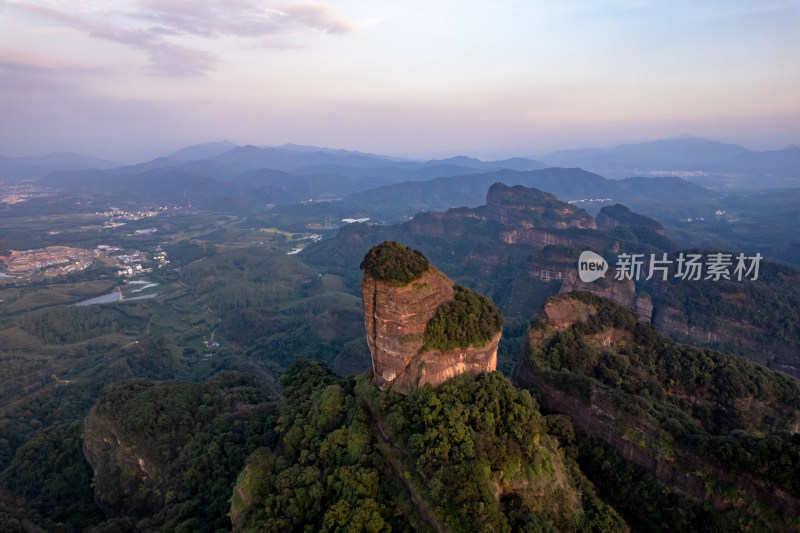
(391, 261)
(468, 319)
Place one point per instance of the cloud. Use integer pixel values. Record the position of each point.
(241, 18)
(11, 60)
(153, 25)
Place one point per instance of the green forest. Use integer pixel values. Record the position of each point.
(390, 261)
(351, 457)
(690, 405)
(241, 397)
(469, 319)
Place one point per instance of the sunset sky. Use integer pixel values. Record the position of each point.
(129, 80)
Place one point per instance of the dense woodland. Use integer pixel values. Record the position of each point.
(720, 407)
(320, 451)
(390, 261)
(352, 457)
(469, 319)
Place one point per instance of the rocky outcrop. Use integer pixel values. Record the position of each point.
(621, 291)
(537, 218)
(612, 216)
(120, 467)
(638, 435)
(396, 317)
(526, 208)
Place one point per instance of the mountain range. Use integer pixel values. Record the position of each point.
(706, 162)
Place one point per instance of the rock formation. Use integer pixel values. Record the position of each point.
(585, 388)
(400, 301)
(523, 207)
(621, 291)
(618, 215)
(535, 217)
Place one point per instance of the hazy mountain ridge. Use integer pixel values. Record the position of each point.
(585, 188)
(704, 161)
(38, 167)
(486, 249)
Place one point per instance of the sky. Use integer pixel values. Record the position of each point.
(133, 79)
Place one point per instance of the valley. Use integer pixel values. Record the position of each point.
(220, 294)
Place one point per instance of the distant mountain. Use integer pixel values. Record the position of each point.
(685, 154)
(780, 161)
(515, 163)
(37, 167)
(245, 158)
(706, 162)
(584, 188)
(335, 151)
(202, 151)
(298, 172)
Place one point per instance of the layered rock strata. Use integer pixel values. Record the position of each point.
(396, 317)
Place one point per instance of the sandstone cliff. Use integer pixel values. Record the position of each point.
(397, 316)
(618, 215)
(621, 291)
(534, 217)
(527, 208)
(627, 385)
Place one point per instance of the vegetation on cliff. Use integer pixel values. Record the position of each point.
(535, 207)
(469, 319)
(390, 261)
(166, 455)
(720, 408)
(623, 216)
(50, 472)
(477, 448)
(764, 314)
(644, 502)
(352, 457)
(325, 472)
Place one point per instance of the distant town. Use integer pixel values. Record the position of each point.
(55, 261)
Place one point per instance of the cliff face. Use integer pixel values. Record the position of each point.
(527, 208)
(612, 216)
(583, 385)
(533, 217)
(120, 466)
(621, 291)
(396, 318)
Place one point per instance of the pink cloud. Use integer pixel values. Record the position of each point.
(256, 19)
(242, 18)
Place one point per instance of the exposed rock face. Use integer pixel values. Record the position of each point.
(534, 217)
(526, 208)
(396, 317)
(120, 468)
(601, 418)
(621, 291)
(612, 216)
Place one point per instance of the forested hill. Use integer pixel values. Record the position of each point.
(720, 427)
(470, 455)
(569, 184)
